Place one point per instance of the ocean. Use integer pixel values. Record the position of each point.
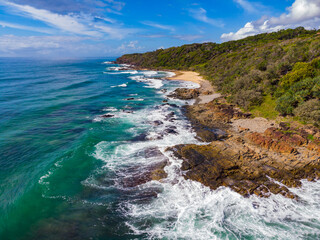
(79, 137)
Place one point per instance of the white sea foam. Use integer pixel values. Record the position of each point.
(126, 65)
(170, 74)
(117, 68)
(188, 210)
(107, 62)
(150, 82)
(103, 119)
(185, 209)
(149, 73)
(110, 109)
(133, 72)
(121, 85)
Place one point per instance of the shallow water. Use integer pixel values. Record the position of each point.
(67, 172)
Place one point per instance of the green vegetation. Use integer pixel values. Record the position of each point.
(270, 74)
(266, 109)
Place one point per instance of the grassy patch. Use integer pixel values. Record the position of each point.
(310, 137)
(266, 109)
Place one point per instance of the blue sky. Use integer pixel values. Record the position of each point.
(101, 28)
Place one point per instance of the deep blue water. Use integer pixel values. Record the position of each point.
(67, 172)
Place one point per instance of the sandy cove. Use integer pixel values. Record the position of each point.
(192, 77)
(249, 155)
(206, 91)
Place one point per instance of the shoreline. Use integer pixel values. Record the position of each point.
(251, 156)
(207, 93)
(191, 76)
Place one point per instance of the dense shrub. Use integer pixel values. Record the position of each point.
(298, 93)
(286, 104)
(247, 98)
(282, 65)
(300, 71)
(309, 111)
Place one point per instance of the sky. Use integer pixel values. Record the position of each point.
(110, 28)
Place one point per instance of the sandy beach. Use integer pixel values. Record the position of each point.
(192, 77)
(207, 92)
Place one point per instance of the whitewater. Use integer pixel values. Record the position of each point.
(80, 138)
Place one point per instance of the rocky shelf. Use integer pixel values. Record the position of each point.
(249, 162)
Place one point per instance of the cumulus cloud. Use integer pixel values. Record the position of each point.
(132, 46)
(304, 13)
(200, 14)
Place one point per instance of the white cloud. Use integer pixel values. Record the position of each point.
(23, 27)
(246, 5)
(10, 43)
(60, 47)
(304, 13)
(78, 24)
(114, 32)
(154, 36)
(160, 26)
(84, 6)
(129, 47)
(200, 14)
(188, 38)
(67, 23)
(300, 11)
(251, 7)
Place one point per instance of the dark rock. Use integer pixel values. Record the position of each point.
(107, 116)
(157, 122)
(170, 131)
(141, 137)
(172, 119)
(284, 126)
(127, 111)
(136, 176)
(208, 135)
(220, 164)
(185, 93)
(171, 105)
(170, 116)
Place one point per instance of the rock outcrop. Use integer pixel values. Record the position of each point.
(185, 93)
(248, 162)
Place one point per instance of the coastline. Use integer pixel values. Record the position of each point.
(252, 156)
(207, 93)
(249, 155)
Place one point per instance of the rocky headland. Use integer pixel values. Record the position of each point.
(249, 155)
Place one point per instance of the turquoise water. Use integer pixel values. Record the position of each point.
(67, 172)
